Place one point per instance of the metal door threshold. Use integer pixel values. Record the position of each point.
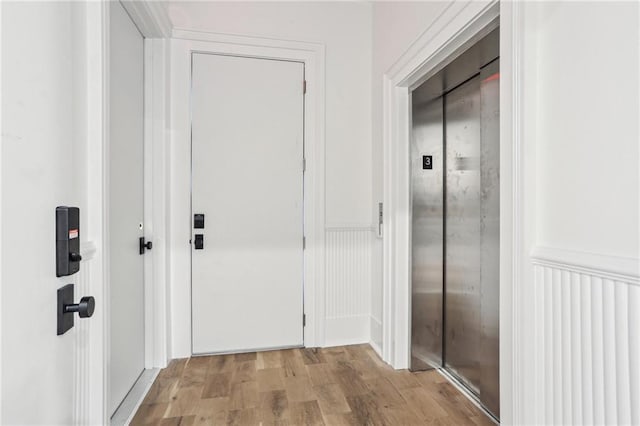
(129, 406)
(244, 351)
(464, 389)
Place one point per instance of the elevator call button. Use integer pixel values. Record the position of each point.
(427, 162)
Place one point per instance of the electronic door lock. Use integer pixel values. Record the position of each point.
(67, 240)
(198, 221)
(66, 308)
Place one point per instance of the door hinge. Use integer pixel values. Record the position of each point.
(304, 243)
(304, 320)
(304, 165)
(304, 87)
(380, 218)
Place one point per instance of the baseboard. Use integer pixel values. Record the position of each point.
(376, 335)
(377, 349)
(347, 331)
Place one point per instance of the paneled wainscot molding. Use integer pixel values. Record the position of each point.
(587, 316)
(348, 284)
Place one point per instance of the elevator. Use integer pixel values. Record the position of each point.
(455, 244)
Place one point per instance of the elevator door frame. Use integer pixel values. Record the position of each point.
(457, 28)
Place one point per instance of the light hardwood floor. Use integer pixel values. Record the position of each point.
(346, 385)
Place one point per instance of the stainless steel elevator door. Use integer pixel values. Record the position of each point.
(490, 237)
(427, 228)
(455, 234)
(462, 232)
(472, 234)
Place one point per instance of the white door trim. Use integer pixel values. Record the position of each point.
(150, 18)
(155, 26)
(96, 377)
(459, 25)
(1, 210)
(156, 194)
(312, 55)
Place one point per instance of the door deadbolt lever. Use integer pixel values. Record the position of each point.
(148, 245)
(75, 257)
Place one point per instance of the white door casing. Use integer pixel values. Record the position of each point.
(247, 179)
(126, 198)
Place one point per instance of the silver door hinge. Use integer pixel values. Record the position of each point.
(304, 243)
(304, 320)
(304, 87)
(304, 165)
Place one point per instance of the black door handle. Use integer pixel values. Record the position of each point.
(148, 245)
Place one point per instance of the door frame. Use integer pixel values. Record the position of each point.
(458, 27)
(183, 44)
(92, 370)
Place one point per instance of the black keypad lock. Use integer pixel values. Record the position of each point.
(67, 240)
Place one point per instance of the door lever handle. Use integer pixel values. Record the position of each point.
(84, 309)
(148, 245)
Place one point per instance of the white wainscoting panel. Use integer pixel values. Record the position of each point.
(83, 329)
(587, 339)
(348, 284)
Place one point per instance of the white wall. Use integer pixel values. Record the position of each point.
(43, 165)
(581, 82)
(588, 191)
(345, 31)
(395, 25)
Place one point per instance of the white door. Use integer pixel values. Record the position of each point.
(125, 204)
(247, 181)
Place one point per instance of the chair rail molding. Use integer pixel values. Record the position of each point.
(605, 266)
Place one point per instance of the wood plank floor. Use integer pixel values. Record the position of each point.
(346, 385)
